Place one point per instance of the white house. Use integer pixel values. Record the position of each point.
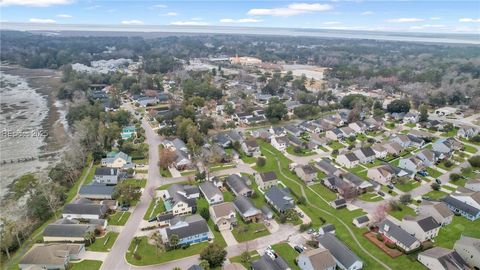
(380, 151)
(467, 248)
(397, 235)
(212, 194)
(381, 174)
(421, 227)
(348, 160)
(438, 210)
(365, 154)
(316, 259)
(280, 143)
(439, 258)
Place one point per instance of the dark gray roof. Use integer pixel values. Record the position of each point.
(209, 189)
(237, 183)
(309, 169)
(292, 129)
(267, 263)
(428, 224)
(195, 267)
(196, 226)
(335, 181)
(340, 202)
(67, 230)
(461, 205)
(328, 228)
(351, 156)
(85, 209)
(367, 151)
(294, 140)
(106, 171)
(165, 217)
(396, 232)
(96, 190)
(245, 207)
(280, 198)
(326, 166)
(268, 176)
(449, 259)
(362, 219)
(221, 138)
(251, 143)
(339, 251)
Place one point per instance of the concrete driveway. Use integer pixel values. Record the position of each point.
(229, 238)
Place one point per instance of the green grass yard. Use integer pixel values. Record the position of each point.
(324, 192)
(119, 218)
(85, 265)
(137, 182)
(405, 211)
(412, 184)
(103, 244)
(433, 173)
(156, 207)
(336, 145)
(89, 178)
(253, 230)
(303, 153)
(370, 197)
(248, 265)
(287, 253)
(452, 232)
(436, 194)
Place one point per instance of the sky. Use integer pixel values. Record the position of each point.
(396, 15)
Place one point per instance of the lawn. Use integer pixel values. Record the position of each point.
(336, 145)
(148, 253)
(187, 173)
(119, 218)
(470, 149)
(165, 172)
(105, 243)
(370, 197)
(248, 265)
(253, 230)
(303, 153)
(451, 133)
(469, 141)
(222, 167)
(433, 173)
(375, 163)
(85, 265)
(324, 192)
(137, 182)
(89, 178)
(317, 207)
(436, 194)
(247, 159)
(156, 207)
(405, 211)
(412, 184)
(452, 232)
(287, 253)
(441, 165)
(323, 148)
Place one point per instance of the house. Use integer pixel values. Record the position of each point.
(266, 180)
(393, 148)
(338, 203)
(316, 259)
(215, 152)
(251, 148)
(473, 185)
(436, 125)
(307, 173)
(467, 132)
(212, 194)
(255, 119)
(382, 174)
(222, 139)
(327, 167)
(280, 143)
(439, 258)
(223, 215)
(334, 182)
(360, 184)
(106, 175)
(469, 249)
(408, 140)
(181, 199)
(438, 210)
(412, 164)
(164, 219)
(293, 130)
(444, 111)
(189, 229)
(246, 209)
(268, 263)
(380, 151)
(327, 228)
(147, 101)
(96, 192)
(421, 227)
(295, 141)
(347, 132)
(238, 185)
(446, 145)
(267, 212)
(118, 160)
(466, 204)
(128, 132)
(84, 209)
(358, 127)
(428, 157)
(51, 256)
(334, 134)
(343, 256)
(348, 160)
(280, 199)
(365, 154)
(277, 131)
(374, 123)
(395, 234)
(71, 233)
(361, 221)
(411, 117)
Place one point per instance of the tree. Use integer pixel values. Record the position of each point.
(474, 161)
(214, 255)
(302, 200)
(89, 236)
(455, 177)
(205, 213)
(423, 113)
(204, 265)
(406, 198)
(173, 241)
(276, 110)
(380, 213)
(261, 161)
(349, 101)
(245, 257)
(159, 245)
(228, 108)
(126, 192)
(167, 157)
(435, 186)
(399, 106)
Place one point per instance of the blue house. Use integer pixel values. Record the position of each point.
(466, 206)
(127, 132)
(189, 229)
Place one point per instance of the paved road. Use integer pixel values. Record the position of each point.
(116, 257)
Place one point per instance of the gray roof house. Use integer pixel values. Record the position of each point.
(246, 208)
(446, 145)
(66, 232)
(439, 258)
(343, 256)
(238, 185)
(267, 263)
(96, 192)
(189, 229)
(398, 235)
(326, 166)
(84, 209)
(469, 249)
(106, 175)
(51, 256)
(365, 154)
(280, 199)
(293, 130)
(316, 259)
(212, 194)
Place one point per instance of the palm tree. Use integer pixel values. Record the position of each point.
(89, 236)
(174, 239)
(157, 237)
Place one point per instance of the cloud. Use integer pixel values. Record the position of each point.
(244, 20)
(435, 18)
(427, 26)
(367, 13)
(37, 20)
(469, 20)
(196, 19)
(65, 16)
(92, 7)
(132, 22)
(34, 3)
(159, 6)
(405, 20)
(290, 10)
(332, 23)
(111, 10)
(170, 14)
(189, 23)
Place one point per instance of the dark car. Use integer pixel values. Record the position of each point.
(298, 249)
(423, 173)
(390, 186)
(152, 219)
(426, 198)
(381, 193)
(438, 181)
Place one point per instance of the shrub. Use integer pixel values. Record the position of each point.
(282, 218)
(297, 149)
(185, 246)
(335, 152)
(435, 186)
(405, 198)
(390, 245)
(304, 227)
(322, 220)
(261, 161)
(380, 237)
(302, 200)
(312, 243)
(448, 163)
(455, 176)
(137, 256)
(474, 161)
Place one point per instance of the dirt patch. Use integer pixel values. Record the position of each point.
(372, 237)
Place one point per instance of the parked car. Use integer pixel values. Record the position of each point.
(438, 181)
(381, 193)
(423, 173)
(390, 186)
(426, 198)
(298, 249)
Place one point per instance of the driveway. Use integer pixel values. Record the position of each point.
(92, 255)
(229, 238)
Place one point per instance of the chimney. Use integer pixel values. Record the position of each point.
(386, 227)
